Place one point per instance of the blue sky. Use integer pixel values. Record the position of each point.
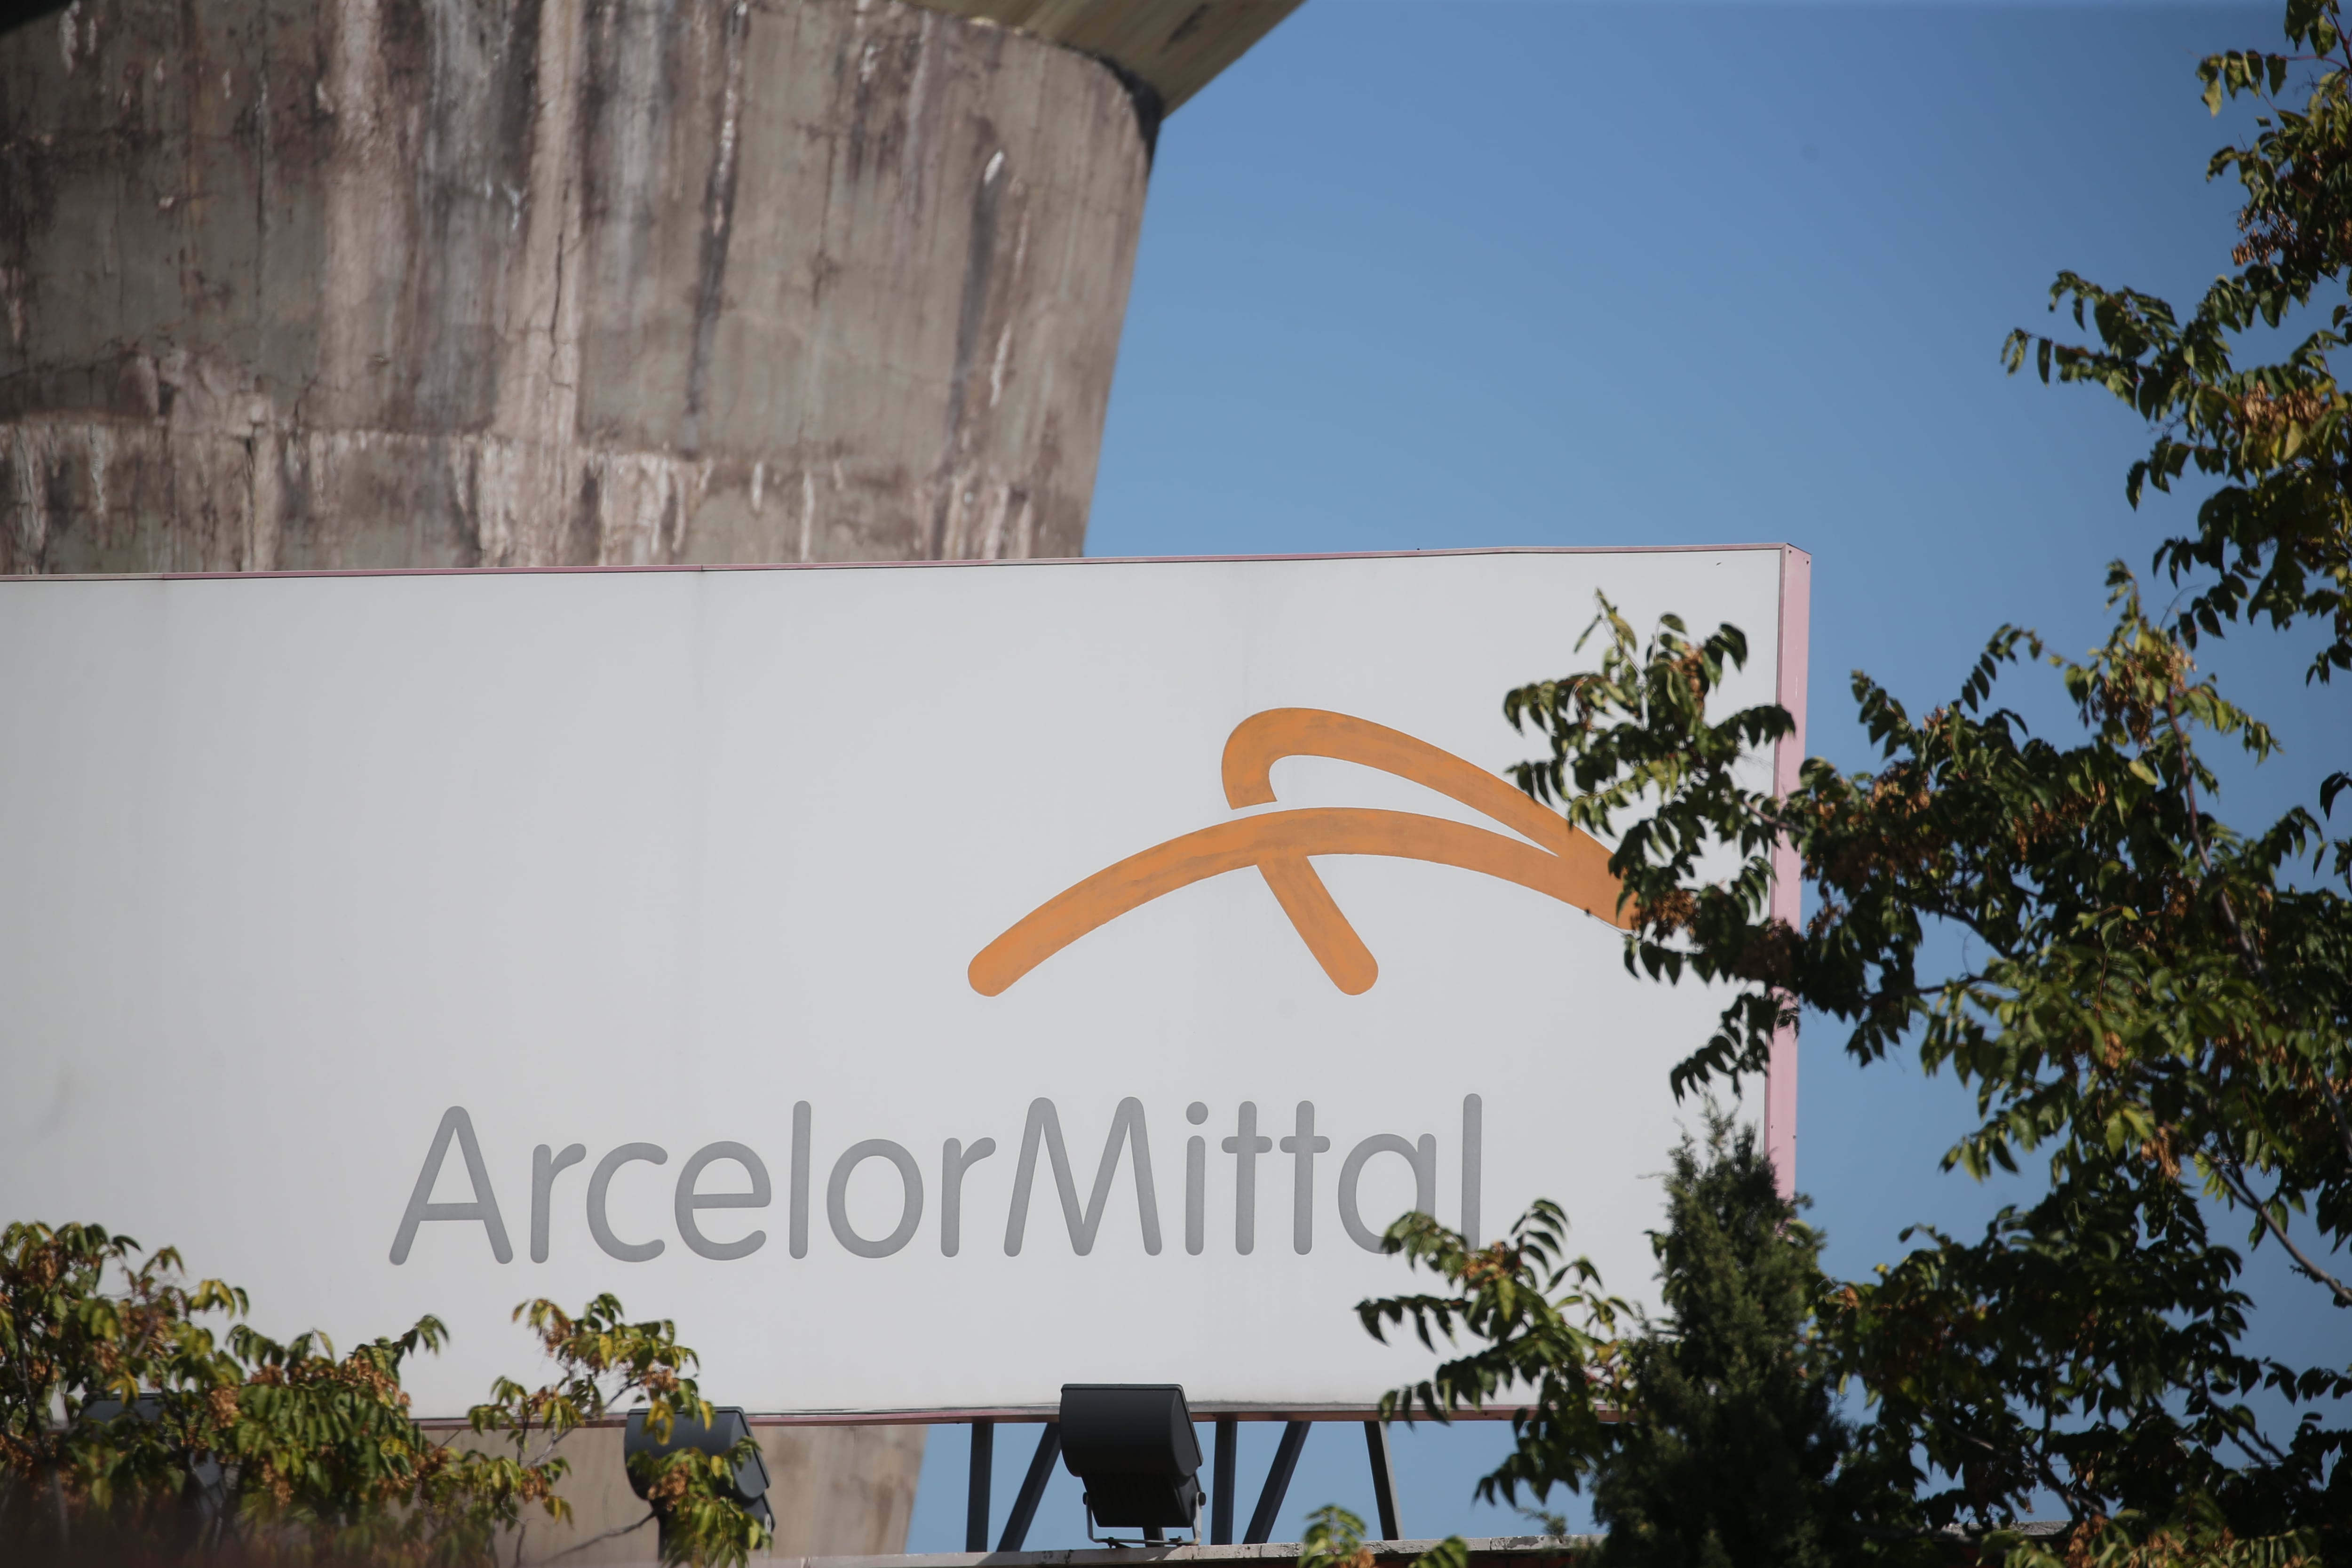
(1443, 273)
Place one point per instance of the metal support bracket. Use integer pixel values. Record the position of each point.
(1277, 1483)
(1153, 1535)
(976, 1507)
(1376, 1444)
(1220, 1501)
(1032, 1488)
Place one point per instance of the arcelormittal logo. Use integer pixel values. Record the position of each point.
(1564, 863)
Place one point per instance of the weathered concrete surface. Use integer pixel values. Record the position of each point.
(835, 1491)
(499, 282)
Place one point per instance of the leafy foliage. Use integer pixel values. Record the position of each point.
(126, 1417)
(1635, 732)
(1542, 1326)
(2154, 1005)
(2273, 540)
(2149, 1000)
(65, 1344)
(2195, 1534)
(604, 1363)
(1334, 1539)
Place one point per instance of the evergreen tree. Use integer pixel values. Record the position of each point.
(1730, 1451)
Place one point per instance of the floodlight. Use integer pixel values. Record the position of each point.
(1131, 1445)
(728, 1427)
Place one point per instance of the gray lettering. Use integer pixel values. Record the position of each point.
(1245, 1146)
(688, 1200)
(800, 1178)
(1126, 1122)
(1424, 1161)
(456, 1124)
(954, 1160)
(1303, 1148)
(1474, 1164)
(599, 1226)
(545, 1163)
(1196, 1182)
(837, 1197)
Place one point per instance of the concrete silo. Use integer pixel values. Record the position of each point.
(373, 283)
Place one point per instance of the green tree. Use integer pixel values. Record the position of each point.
(1729, 1451)
(1711, 1437)
(2090, 1346)
(126, 1419)
(66, 1343)
(2156, 1005)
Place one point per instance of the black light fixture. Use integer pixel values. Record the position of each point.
(1131, 1445)
(727, 1426)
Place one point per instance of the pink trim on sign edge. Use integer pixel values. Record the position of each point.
(1788, 878)
(870, 566)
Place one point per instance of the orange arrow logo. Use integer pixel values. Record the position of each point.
(1571, 866)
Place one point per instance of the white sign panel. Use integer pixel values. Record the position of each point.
(928, 985)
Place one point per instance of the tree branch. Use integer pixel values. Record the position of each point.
(2233, 1180)
(2268, 1453)
(621, 1529)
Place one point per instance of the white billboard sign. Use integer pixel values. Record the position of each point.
(927, 984)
